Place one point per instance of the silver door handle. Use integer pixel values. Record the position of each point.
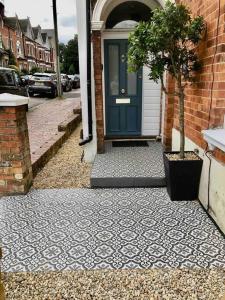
(123, 91)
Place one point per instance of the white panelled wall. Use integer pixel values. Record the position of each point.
(151, 106)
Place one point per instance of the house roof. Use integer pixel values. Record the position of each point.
(23, 24)
(44, 36)
(2, 9)
(35, 31)
(50, 32)
(11, 22)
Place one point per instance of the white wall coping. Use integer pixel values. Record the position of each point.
(12, 100)
(215, 138)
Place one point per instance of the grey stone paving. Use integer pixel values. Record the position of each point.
(129, 167)
(91, 229)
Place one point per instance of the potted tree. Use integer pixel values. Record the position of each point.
(168, 43)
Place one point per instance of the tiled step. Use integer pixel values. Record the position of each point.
(127, 182)
(121, 167)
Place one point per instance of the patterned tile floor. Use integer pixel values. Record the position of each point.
(126, 165)
(91, 229)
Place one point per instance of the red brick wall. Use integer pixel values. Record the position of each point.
(8, 33)
(15, 160)
(205, 100)
(96, 38)
(5, 34)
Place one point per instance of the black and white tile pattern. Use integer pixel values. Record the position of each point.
(89, 229)
(129, 167)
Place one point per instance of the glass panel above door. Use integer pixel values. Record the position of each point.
(132, 83)
(114, 70)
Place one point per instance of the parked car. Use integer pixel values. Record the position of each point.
(26, 78)
(12, 83)
(66, 83)
(75, 80)
(44, 84)
(71, 79)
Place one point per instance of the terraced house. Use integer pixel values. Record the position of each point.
(122, 105)
(31, 46)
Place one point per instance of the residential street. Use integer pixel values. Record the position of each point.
(38, 100)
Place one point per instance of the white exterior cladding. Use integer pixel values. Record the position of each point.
(151, 106)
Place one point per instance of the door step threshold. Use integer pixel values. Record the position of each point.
(128, 182)
(131, 139)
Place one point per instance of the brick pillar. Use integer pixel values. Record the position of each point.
(169, 114)
(15, 160)
(97, 54)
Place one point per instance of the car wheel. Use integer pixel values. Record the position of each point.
(31, 94)
(53, 94)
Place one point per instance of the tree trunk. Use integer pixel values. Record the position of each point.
(181, 119)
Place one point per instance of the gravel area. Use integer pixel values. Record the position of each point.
(188, 156)
(65, 169)
(155, 284)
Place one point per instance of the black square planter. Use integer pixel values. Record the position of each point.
(182, 177)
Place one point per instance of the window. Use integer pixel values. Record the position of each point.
(1, 42)
(114, 69)
(6, 78)
(18, 47)
(28, 49)
(128, 14)
(11, 44)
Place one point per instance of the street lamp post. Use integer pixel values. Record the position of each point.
(59, 86)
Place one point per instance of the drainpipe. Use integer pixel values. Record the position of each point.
(89, 62)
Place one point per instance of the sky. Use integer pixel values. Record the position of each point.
(40, 12)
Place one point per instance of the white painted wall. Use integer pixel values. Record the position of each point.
(82, 44)
(151, 105)
(217, 181)
(90, 149)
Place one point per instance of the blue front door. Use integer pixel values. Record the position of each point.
(123, 92)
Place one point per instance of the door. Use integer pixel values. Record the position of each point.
(123, 92)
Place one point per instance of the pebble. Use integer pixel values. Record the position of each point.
(188, 156)
(154, 284)
(65, 169)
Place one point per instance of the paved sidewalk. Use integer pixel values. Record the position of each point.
(44, 119)
(106, 229)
